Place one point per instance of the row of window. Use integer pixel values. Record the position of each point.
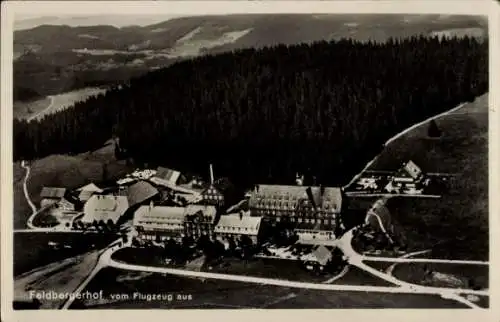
(163, 219)
(213, 197)
(292, 212)
(212, 191)
(308, 220)
(170, 224)
(230, 235)
(153, 237)
(232, 228)
(301, 215)
(204, 218)
(284, 197)
(316, 232)
(190, 225)
(269, 204)
(167, 224)
(328, 221)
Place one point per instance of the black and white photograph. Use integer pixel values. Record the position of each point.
(249, 160)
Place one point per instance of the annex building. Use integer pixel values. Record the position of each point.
(159, 222)
(51, 195)
(104, 209)
(163, 222)
(408, 177)
(236, 226)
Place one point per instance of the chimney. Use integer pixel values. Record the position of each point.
(241, 214)
(211, 174)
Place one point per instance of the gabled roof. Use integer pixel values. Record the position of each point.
(234, 224)
(292, 197)
(168, 174)
(322, 255)
(104, 207)
(140, 192)
(85, 195)
(413, 170)
(409, 170)
(51, 192)
(87, 191)
(90, 187)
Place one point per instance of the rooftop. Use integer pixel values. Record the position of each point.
(292, 197)
(105, 207)
(158, 215)
(140, 192)
(238, 224)
(52, 192)
(168, 174)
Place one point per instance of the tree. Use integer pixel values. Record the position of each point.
(433, 130)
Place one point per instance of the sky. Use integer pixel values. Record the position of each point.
(31, 21)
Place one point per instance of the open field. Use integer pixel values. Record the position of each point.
(23, 110)
(415, 273)
(356, 276)
(62, 276)
(457, 222)
(38, 108)
(225, 294)
(62, 171)
(271, 268)
(31, 250)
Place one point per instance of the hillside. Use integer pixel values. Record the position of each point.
(456, 225)
(262, 115)
(54, 58)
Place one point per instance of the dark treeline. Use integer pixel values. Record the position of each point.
(262, 115)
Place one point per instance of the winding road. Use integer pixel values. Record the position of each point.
(26, 194)
(344, 243)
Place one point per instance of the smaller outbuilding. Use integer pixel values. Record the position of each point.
(51, 195)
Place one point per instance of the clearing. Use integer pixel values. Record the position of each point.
(456, 225)
(63, 171)
(24, 110)
(51, 104)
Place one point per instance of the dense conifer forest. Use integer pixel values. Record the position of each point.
(262, 115)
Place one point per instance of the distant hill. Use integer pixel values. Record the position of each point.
(54, 58)
(265, 30)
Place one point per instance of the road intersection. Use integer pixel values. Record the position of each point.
(353, 259)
